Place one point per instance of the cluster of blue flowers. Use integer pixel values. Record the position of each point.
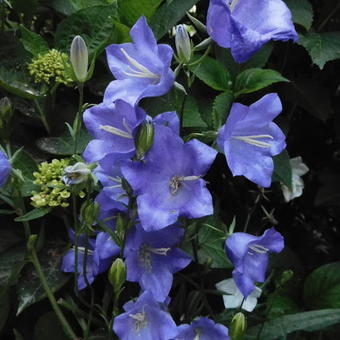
(167, 178)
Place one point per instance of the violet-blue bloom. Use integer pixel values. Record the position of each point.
(113, 128)
(144, 319)
(250, 139)
(142, 68)
(152, 257)
(202, 329)
(249, 255)
(168, 183)
(99, 256)
(245, 26)
(5, 168)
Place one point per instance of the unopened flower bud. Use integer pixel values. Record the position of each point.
(183, 44)
(238, 326)
(144, 139)
(75, 174)
(79, 57)
(285, 277)
(117, 274)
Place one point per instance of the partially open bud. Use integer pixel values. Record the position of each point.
(117, 274)
(144, 139)
(183, 44)
(238, 326)
(75, 174)
(79, 57)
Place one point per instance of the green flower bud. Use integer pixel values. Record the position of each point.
(89, 213)
(285, 277)
(238, 326)
(183, 44)
(117, 274)
(79, 56)
(144, 139)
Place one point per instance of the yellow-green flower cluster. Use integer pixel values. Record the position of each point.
(52, 65)
(53, 191)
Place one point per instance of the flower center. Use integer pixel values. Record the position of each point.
(138, 70)
(145, 252)
(254, 140)
(233, 4)
(118, 132)
(176, 182)
(257, 248)
(140, 320)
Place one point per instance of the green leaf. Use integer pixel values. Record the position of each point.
(280, 305)
(168, 15)
(282, 169)
(221, 107)
(33, 42)
(63, 145)
(29, 287)
(94, 24)
(210, 243)
(255, 79)
(33, 214)
(306, 321)
(131, 10)
(49, 327)
(302, 12)
(11, 263)
(322, 287)
(322, 47)
(260, 58)
(213, 73)
(191, 114)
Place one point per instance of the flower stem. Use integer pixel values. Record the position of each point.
(34, 259)
(77, 124)
(42, 116)
(325, 21)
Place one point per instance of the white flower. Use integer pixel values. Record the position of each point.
(75, 174)
(234, 297)
(298, 169)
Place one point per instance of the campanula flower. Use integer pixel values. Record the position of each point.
(141, 68)
(234, 297)
(250, 139)
(249, 255)
(202, 329)
(245, 26)
(152, 257)
(5, 168)
(168, 183)
(76, 173)
(113, 128)
(144, 319)
(99, 254)
(298, 169)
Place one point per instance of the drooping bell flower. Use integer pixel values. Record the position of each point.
(145, 319)
(245, 26)
(113, 128)
(141, 68)
(76, 173)
(5, 168)
(152, 257)
(250, 139)
(168, 183)
(249, 255)
(202, 329)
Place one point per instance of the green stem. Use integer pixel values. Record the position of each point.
(324, 22)
(42, 116)
(78, 116)
(67, 328)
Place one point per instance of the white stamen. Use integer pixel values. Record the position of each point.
(83, 249)
(140, 71)
(127, 127)
(198, 334)
(176, 182)
(145, 255)
(140, 319)
(257, 248)
(159, 251)
(233, 4)
(116, 179)
(252, 140)
(115, 131)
